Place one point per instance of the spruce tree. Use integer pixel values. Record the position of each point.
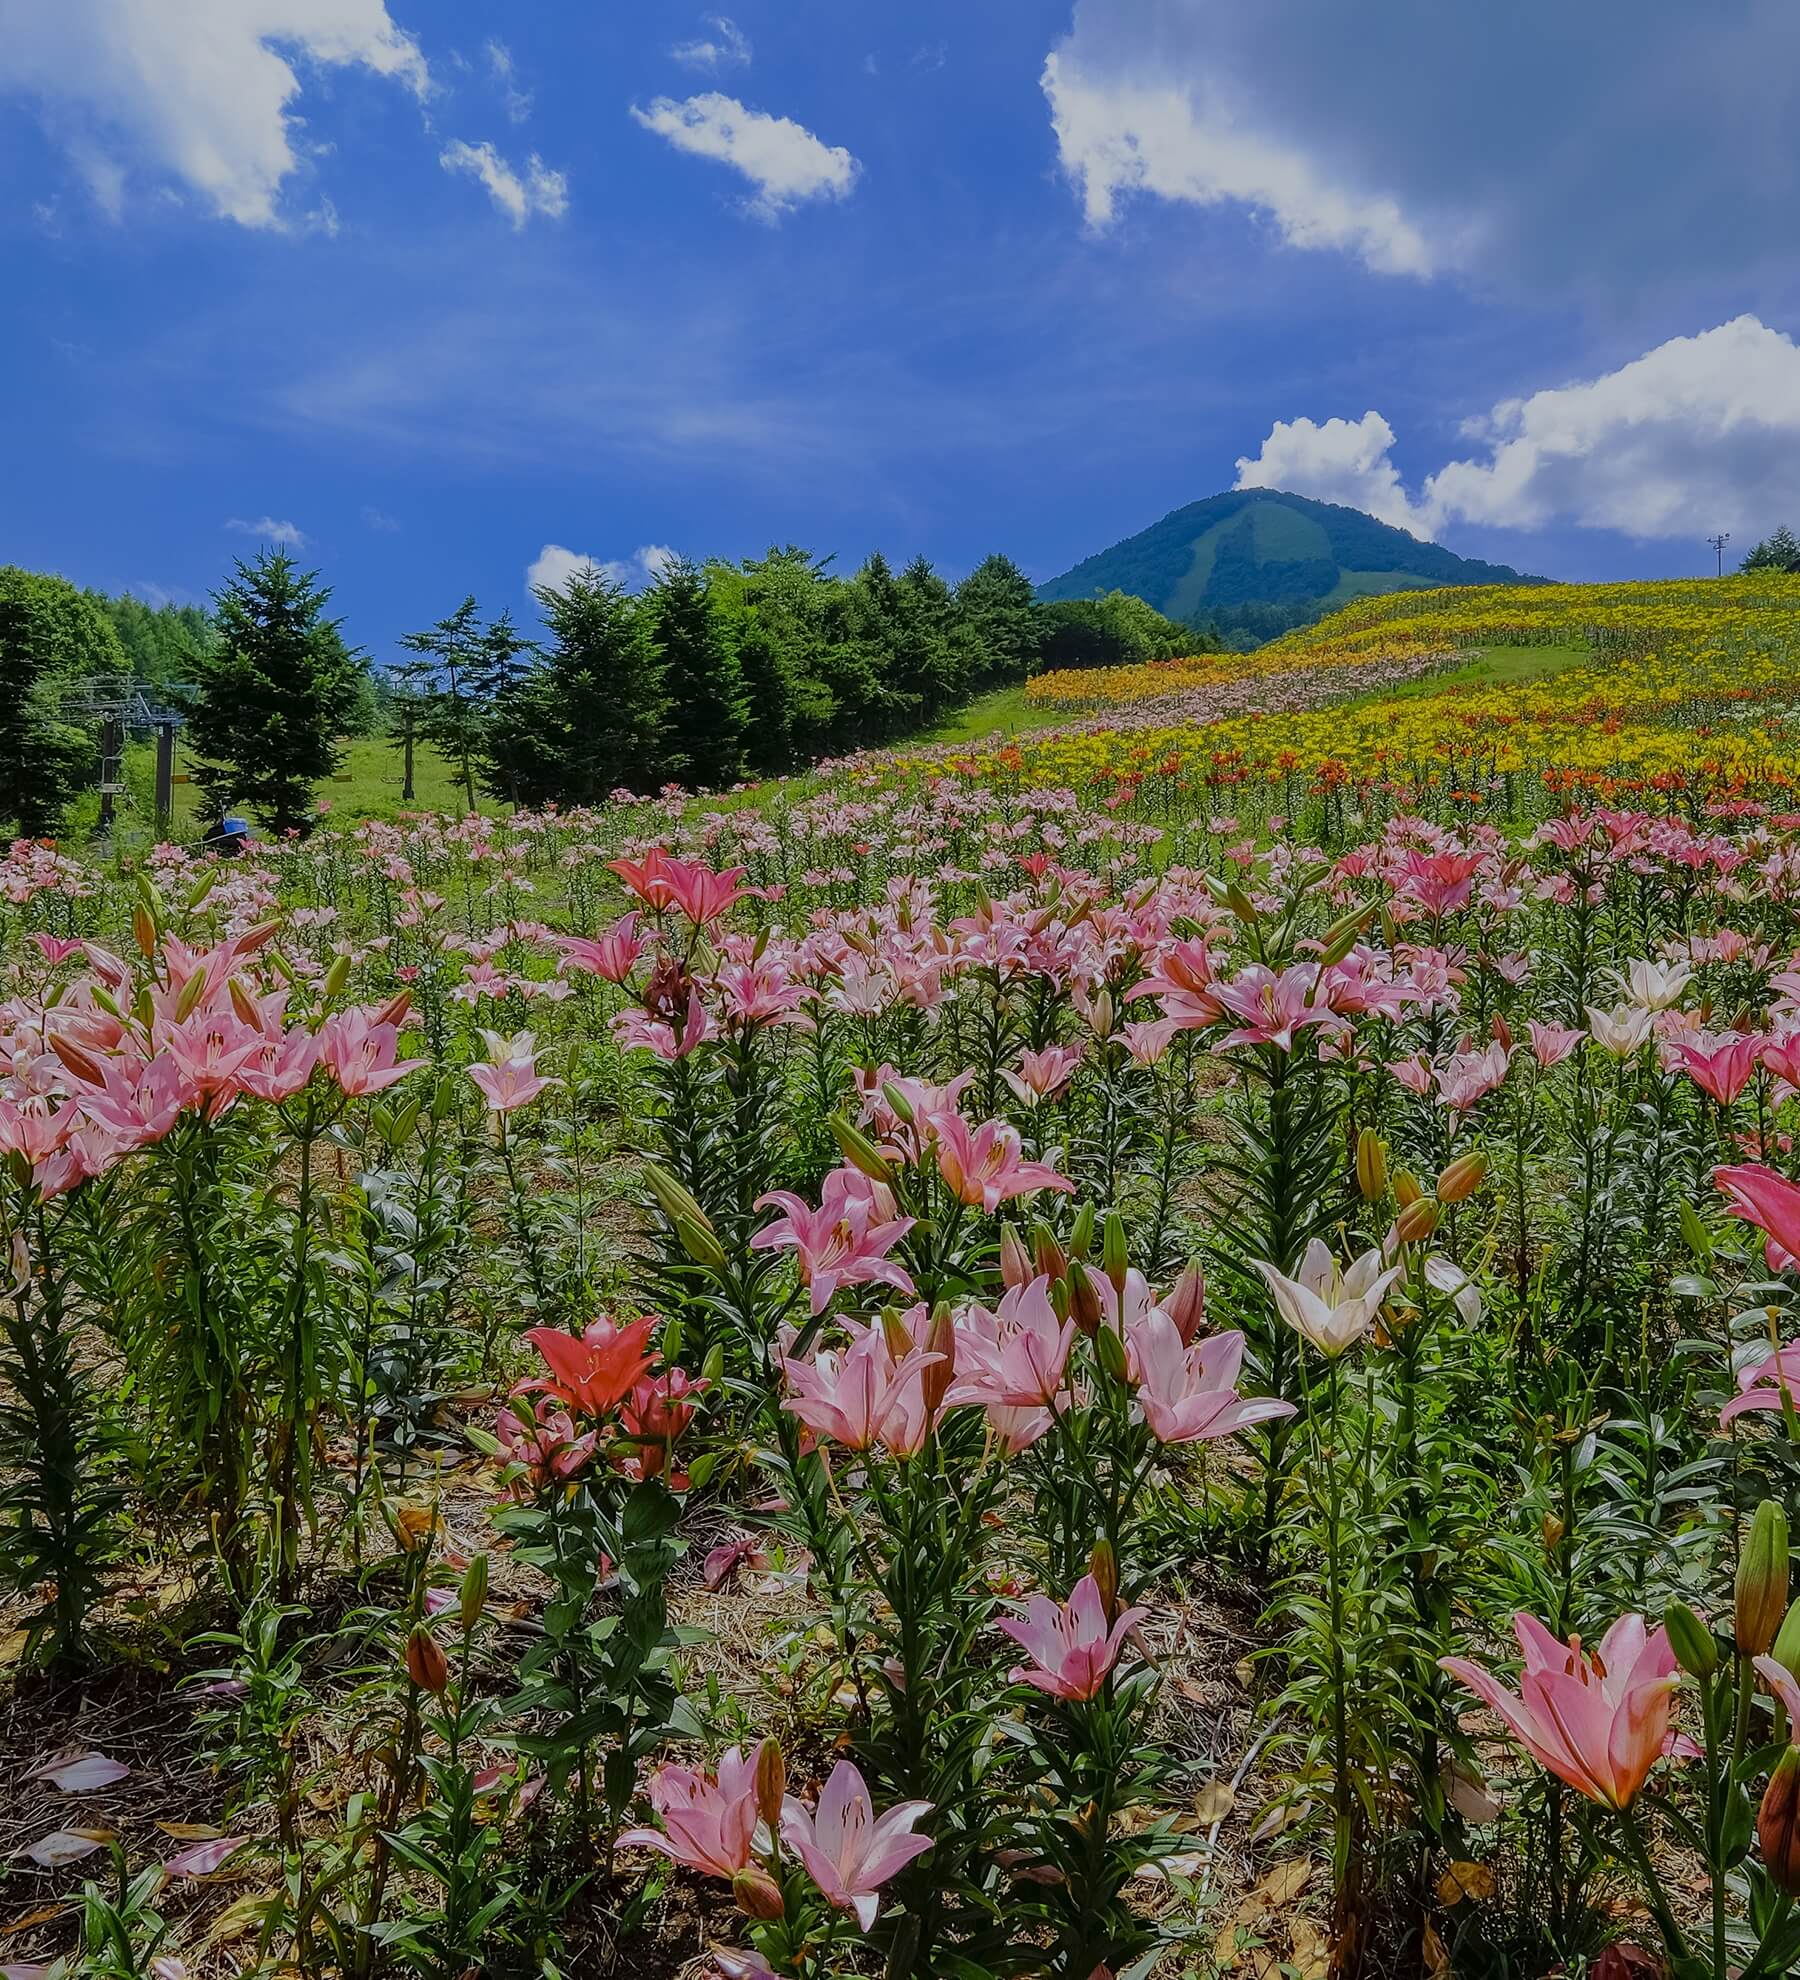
(499, 682)
(601, 699)
(1002, 622)
(709, 706)
(276, 689)
(440, 685)
(44, 760)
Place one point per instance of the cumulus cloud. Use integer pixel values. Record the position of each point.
(202, 94)
(1528, 144)
(518, 195)
(270, 529)
(727, 46)
(1700, 433)
(1342, 460)
(554, 566)
(782, 159)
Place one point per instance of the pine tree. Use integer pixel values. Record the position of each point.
(928, 666)
(710, 707)
(600, 702)
(44, 761)
(445, 712)
(498, 681)
(1780, 552)
(1002, 621)
(275, 691)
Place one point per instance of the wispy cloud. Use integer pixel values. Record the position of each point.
(518, 195)
(782, 159)
(515, 99)
(270, 529)
(380, 520)
(726, 47)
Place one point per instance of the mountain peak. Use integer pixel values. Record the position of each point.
(1258, 561)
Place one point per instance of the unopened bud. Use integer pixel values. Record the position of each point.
(771, 1783)
(1103, 1565)
(1115, 1254)
(143, 927)
(426, 1663)
(1052, 1261)
(859, 1151)
(191, 993)
(337, 977)
(698, 1241)
(758, 1895)
(1786, 1649)
(1101, 1015)
(1778, 1824)
(1109, 1351)
(76, 1060)
(1691, 1640)
(1186, 1303)
(896, 1333)
(395, 1009)
(1371, 1166)
(674, 1198)
(1081, 1233)
(1015, 1260)
(1417, 1221)
(1406, 1188)
(898, 1105)
(940, 1339)
(244, 1003)
(1462, 1178)
(1762, 1581)
(1551, 1531)
(474, 1592)
(1086, 1308)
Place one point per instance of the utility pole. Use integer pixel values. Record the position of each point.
(406, 794)
(1718, 543)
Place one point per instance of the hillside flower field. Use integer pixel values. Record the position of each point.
(1158, 1351)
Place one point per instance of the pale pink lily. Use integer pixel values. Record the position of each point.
(1070, 1645)
(1042, 1075)
(1272, 1008)
(359, 1053)
(1014, 1357)
(709, 1820)
(1620, 1031)
(1329, 1306)
(1599, 1722)
(1551, 1044)
(861, 1395)
(845, 1241)
(508, 1077)
(1189, 1394)
(985, 1166)
(846, 1850)
(612, 957)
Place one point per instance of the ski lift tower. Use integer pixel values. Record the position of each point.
(119, 707)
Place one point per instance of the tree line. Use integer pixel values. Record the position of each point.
(713, 673)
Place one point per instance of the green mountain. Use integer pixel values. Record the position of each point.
(1256, 562)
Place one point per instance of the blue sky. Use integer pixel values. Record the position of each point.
(439, 288)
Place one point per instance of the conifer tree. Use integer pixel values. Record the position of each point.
(276, 690)
(445, 709)
(705, 680)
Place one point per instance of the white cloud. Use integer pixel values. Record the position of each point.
(1611, 148)
(554, 567)
(270, 530)
(782, 159)
(505, 73)
(1342, 460)
(1123, 136)
(380, 520)
(726, 47)
(1701, 433)
(201, 92)
(518, 196)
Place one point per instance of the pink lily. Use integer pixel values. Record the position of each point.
(861, 1396)
(1761, 1197)
(1273, 1008)
(612, 957)
(359, 1053)
(1015, 1357)
(846, 1851)
(709, 1820)
(1600, 1722)
(1189, 1394)
(1069, 1644)
(984, 1167)
(845, 1241)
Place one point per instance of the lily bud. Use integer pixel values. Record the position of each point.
(1406, 1188)
(252, 939)
(75, 1059)
(1085, 1307)
(1015, 1260)
(758, 1895)
(1101, 1015)
(1371, 1166)
(1462, 1178)
(896, 1333)
(1115, 1254)
(1186, 1304)
(243, 1003)
(1417, 1221)
(1503, 1034)
(395, 1009)
(1052, 1260)
(1786, 1651)
(771, 1783)
(940, 1339)
(1081, 1235)
(1695, 1650)
(698, 1241)
(1109, 1351)
(191, 993)
(474, 1592)
(1778, 1824)
(859, 1151)
(144, 928)
(1551, 1530)
(337, 977)
(898, 1104)
(1762, 1581)
(674, 1199)
(426, 1663)
(1103, 1565)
